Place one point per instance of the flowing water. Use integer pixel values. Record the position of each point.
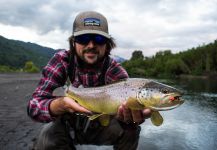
(192, 126)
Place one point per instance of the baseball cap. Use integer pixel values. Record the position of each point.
(90, 22)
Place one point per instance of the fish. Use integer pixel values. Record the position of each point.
(137, 93)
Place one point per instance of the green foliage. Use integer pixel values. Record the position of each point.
(135, 67)
(15, 54)
(176, 67)
(30, 67)
(162, 54)
(6, 69)
(137, 55)
(196, 61)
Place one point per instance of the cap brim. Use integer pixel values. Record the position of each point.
(92, 32)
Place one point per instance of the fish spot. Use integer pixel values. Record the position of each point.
(165, 91)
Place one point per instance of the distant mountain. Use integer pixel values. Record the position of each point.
(118, 58)
(15, 53)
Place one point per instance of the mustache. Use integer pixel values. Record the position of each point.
(90, 50)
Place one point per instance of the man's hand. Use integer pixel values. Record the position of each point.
(65, 104)
(132, 116)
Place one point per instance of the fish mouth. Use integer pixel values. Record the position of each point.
(174, 98)
(177, 97)
(169, 101)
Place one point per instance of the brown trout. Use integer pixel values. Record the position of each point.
(137, 92)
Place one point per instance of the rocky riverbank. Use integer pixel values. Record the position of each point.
(17, 130)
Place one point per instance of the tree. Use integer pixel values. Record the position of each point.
(137, 54)
(176, 66)
(30, 67)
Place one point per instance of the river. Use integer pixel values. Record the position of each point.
(192, 126)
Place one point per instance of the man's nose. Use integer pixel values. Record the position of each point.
(91, 44)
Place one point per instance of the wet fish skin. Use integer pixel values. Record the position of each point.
(138, 93)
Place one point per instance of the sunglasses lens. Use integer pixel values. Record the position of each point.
(100, 39)
(83, 39)
(86, 38)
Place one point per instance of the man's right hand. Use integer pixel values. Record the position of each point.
(65, 104)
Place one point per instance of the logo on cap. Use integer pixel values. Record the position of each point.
(91, 22)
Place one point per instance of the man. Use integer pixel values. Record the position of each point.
(87, 64)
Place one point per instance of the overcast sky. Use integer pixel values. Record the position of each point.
(147, 25)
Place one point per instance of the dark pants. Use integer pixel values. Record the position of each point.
(56, 136)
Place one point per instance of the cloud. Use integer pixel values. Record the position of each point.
(43, 16)
(139, 24)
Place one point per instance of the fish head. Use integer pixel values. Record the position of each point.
(158, 96)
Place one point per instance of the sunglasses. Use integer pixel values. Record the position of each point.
(86, 38)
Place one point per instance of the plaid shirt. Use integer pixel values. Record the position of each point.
(55, 74)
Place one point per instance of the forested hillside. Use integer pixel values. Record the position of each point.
(15, 54)
(201, 60)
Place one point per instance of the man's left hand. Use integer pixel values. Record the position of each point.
(132, 116)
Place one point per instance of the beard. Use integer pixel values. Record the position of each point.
(90, 58)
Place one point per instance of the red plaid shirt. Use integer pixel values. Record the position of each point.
(55, 74)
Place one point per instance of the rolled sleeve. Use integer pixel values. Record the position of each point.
(54, 75)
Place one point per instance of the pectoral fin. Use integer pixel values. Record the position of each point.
(92, 117)
(103, 119)
(133, 104)
(156, 118)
